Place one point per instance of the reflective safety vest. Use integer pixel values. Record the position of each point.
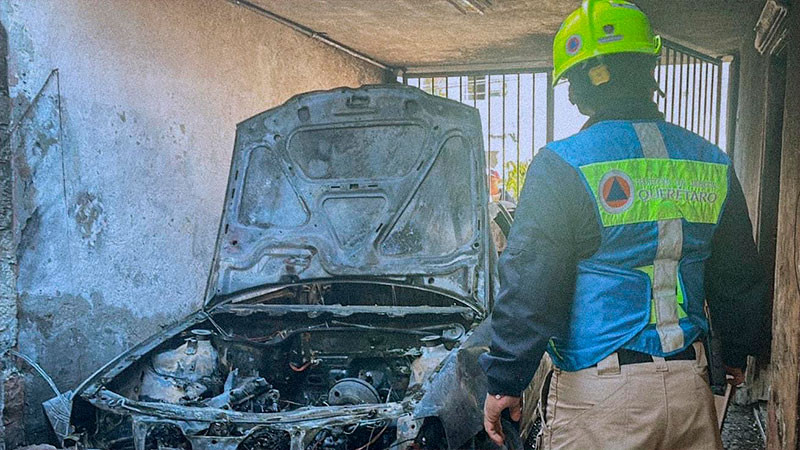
(660, 191)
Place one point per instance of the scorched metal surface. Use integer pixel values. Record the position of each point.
(379, 181)
(346, 302)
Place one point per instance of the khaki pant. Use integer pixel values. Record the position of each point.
(664, 405)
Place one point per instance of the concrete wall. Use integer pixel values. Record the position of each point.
(750, 115)
(784, 424)
(750, 120)
(121, 162)
(8, 290)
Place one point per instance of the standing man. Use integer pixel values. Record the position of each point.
(622, 233)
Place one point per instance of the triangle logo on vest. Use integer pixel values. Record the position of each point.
(616, 192)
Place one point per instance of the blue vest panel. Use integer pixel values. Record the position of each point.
(660, 191)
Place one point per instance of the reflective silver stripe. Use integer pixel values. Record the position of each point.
(668, 253)
(652, 142)
(665, 283)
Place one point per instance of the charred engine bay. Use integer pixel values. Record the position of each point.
(297, 348)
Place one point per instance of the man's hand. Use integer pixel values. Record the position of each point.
(737, 376)
(493, 408)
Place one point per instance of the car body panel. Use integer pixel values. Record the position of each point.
(380, 181)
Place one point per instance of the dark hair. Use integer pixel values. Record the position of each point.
(630, 79)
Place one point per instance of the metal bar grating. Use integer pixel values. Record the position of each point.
(518, 108)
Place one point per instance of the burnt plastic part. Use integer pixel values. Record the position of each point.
(371, 326)
(58, 411)
(236, 391)
(456, 395)
(267, 440)
(183, 374)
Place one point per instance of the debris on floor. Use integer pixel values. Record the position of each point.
(37, 447)
(740, 430)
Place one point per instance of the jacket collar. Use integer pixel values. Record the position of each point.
(624, 110)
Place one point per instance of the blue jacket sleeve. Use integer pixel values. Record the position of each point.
(555, 225)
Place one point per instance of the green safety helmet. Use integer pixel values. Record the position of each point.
(602, 27)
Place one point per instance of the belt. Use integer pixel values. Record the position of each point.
(633, 357)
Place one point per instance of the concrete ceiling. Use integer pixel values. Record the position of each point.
(434, 33)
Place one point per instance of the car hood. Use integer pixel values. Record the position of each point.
(380, 182)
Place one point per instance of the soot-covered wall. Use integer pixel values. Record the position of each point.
(120, 164)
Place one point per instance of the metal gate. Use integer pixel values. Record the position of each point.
(521, 111)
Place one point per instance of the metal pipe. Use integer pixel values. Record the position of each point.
(733, 107)
(518, 136)
(310, 33)
(689, 51)
(718, 113)
(694, 95)
(703, 90)
(503, 136)
(658, 82)
(711, 86)
(672, 101)
(706, 91)
(533, 114)
(489, 124)
(686, 88)
(680, 94)
(476, 69)
(474, 91)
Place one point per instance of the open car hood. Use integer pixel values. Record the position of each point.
(381, 182)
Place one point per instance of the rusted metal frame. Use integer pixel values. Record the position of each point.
(550, 108)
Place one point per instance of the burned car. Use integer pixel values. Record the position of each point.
(345, 306)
